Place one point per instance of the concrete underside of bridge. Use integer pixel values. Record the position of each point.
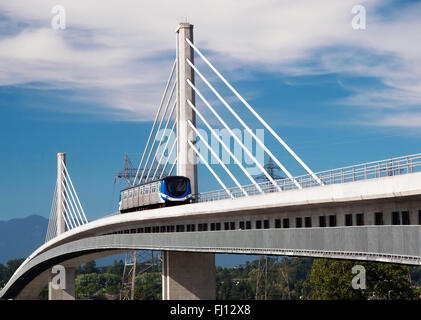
(398, 244)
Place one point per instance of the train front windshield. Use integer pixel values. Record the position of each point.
(176, 186)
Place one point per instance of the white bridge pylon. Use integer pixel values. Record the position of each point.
(182, 67)
(66, 210)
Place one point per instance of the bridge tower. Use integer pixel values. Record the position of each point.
(187, 275)
(66, 290)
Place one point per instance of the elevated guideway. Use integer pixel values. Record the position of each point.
(118, 233)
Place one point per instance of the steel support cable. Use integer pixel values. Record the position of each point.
(52, 232)
(71, 208)
(53, 205)
(156, 118)
(248, 130)
(159, 128)
(224, 146)
(165, 148)
(162, 137)
(71, 211)
(234, 135)
(277, 137)
(72, 201)
(217, 157)
(74, 190)
(66, 215)
(172, 167)
(210, 169)
(169, 157)
(51, 219)
(68, 223)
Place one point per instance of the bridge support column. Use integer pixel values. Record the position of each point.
(186, 157)
(61, 280)
(188, 276)
(61, 283)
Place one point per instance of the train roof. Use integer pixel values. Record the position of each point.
(149, 182)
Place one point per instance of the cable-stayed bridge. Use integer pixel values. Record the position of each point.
(370, 211)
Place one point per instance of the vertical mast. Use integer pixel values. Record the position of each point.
(186, 157)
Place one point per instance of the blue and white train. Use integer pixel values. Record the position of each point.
(168, 191)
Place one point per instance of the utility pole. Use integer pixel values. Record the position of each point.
(262, 279)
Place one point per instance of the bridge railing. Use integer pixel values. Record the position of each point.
(365, 171)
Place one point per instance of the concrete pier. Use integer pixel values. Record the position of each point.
(188, 276)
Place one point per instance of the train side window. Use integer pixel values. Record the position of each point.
(226, 225)
(405, 217)
(146, 190)
(141, 191)
(298, 222)
(348, 220)
(242, 226)
(153, 189)
(332, 220)
(277, 223)
(213, 226)
(419, 216)
(307, 222)
(162, 229)
(322, 221)
(259, 224)
(266, 224)
(218, 226)
(248, 224)
(232, 225)
(378, 218)
(360, 219)
(131, 193)
(285, 223)
(125, 195)
(395, 218)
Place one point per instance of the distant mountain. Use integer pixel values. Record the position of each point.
(20, 237)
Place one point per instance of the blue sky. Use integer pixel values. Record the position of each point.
(337, 96)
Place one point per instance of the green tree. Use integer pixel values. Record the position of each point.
(148, 286)
(332, 280)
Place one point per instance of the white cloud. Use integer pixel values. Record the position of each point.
(122, 50)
